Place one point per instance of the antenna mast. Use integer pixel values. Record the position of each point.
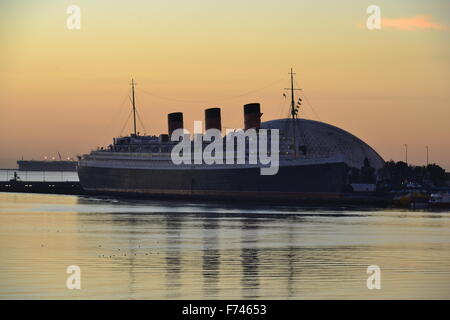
(134, 105)
(294, 110)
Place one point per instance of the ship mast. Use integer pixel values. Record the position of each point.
(134, 106)
(294, 109)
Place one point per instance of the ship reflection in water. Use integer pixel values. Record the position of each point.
(183, 250)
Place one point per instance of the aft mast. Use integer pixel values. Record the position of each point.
(294, 109)
(134, 106)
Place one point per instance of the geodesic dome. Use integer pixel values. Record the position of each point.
(321, 140)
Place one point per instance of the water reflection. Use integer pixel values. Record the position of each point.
(211, 258)
(180, 250)
(290, 258)
(249, 258)
(173, 226)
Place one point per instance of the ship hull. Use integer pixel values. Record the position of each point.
(315, 182)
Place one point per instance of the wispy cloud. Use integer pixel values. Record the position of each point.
(414, 23)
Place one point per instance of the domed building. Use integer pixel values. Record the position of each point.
(317, 140)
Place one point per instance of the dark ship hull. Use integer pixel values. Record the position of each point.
(32, 165)
(315, 181)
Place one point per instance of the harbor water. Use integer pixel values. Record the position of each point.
(129, 249)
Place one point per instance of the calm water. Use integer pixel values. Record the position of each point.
(182, 250)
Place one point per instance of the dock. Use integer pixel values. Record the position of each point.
(51, 187)
(75, 188)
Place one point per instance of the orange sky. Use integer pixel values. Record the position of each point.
(65, 90)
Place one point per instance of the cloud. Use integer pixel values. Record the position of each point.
(414, 23)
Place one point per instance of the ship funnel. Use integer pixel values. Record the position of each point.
(212, 119)
(252, 116)
(175, 121)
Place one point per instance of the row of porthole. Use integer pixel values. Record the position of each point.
(27, 185)
(30, 185)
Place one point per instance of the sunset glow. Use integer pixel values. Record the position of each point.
(67, 90)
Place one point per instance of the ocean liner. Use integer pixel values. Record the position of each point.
(316, 161)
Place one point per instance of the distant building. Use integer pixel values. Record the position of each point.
(47, 165)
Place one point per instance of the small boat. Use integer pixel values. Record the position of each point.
(439, 200)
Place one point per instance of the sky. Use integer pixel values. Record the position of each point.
(67, 90)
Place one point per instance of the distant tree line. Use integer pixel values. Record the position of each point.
(398, 173)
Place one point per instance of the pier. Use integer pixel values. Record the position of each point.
(51, 187)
